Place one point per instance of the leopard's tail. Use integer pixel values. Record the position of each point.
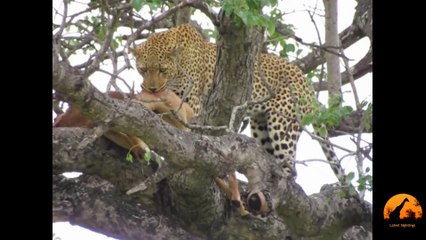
(332, 158)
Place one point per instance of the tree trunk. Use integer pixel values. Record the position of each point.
(333, 53)
(182, 200)
(233, 79)
(201, 210)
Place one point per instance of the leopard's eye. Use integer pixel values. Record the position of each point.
(163, 69)
(142, 69)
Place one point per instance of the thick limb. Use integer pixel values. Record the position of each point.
(161, 102)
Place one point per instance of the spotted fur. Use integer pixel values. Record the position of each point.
(181, 60)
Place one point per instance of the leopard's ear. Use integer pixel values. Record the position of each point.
(174, 50)
(133, 51)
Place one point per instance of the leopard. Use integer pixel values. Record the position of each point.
(182, 60)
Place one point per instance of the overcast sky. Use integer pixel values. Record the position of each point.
(313, 175)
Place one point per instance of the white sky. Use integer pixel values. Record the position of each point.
(313, 175)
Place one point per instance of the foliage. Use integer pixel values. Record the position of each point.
(316, 75)
(365, 182)
(350, 191)
(286, 47)
(250, 12)
(137, 4)
(326, 118)
(366, 121)
(148, 157)
(152, 4)
(129, 156)
(89, 32)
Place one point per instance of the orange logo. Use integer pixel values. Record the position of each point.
(402, 210)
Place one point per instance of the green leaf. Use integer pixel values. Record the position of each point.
(290, 47)
(119, 38)
(335, 101)
(322, 131)
(331, 118)
(137, 4)
(147, 156)
(272, 2)
(307, 119)
(253, 19)
(101, 34)
(154, 4)
(303, 101)
(351, 191)
(270, 27)
(129, 157)
(157, 3)
(115, 44)
(367, 119)
(244, 15)
(350, 176)
(346, 110)
(253, 4)
(95, 21)
(228, 7)
(369, 179)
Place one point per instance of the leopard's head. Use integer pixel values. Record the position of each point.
(156, 61)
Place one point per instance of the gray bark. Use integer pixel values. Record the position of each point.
(185, 203)
(242, 44)
(320, 215)
(98, 205)
(183, 15)
(107, 176)
(333, 46)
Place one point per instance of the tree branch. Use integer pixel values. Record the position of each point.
(205, 8)
(155, 20)
(347, 37)
(96, 204)
(361, 27)
(210, 156)
(310, 211)
(106, 160)
(364, 66)
(186, 190)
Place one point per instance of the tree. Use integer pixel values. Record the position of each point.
(187, 203)
(410, 214)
